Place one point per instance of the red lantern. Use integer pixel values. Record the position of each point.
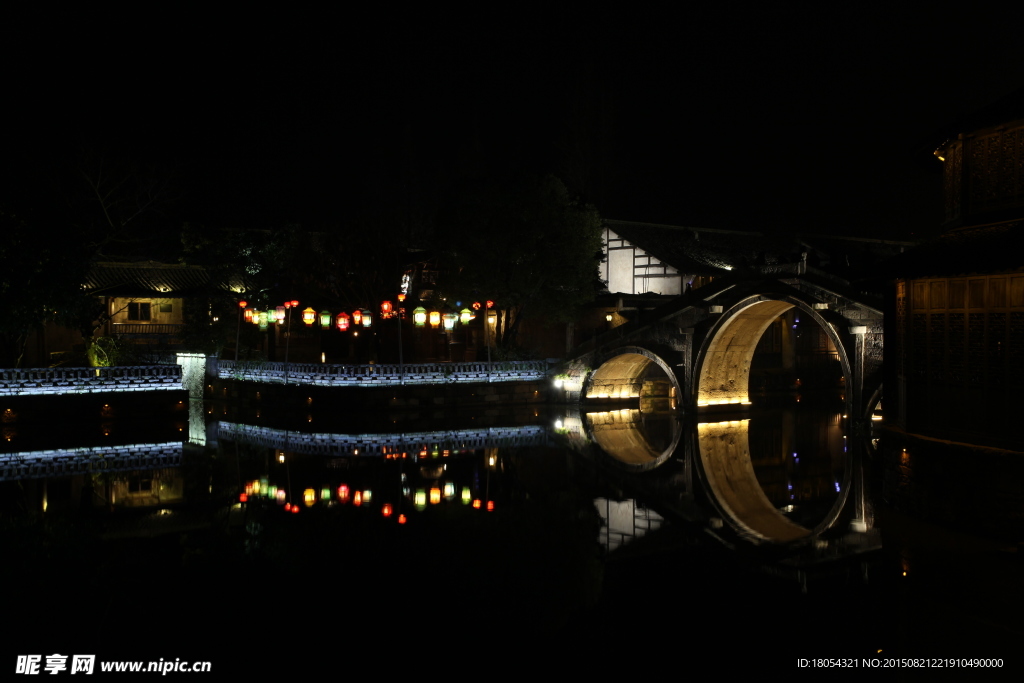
(342, 321)
(476, 305)
(490, 304)
(357, 317)
(385, 309)
(295, 304)
(241, 304)
(401, 298)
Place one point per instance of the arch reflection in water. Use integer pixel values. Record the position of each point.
(759, 494)
(633, 438)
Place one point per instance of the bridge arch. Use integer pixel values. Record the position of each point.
(621, 372)
(721, 367)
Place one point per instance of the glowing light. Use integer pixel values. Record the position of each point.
(420, 499)
(435, 496)
(357, 499)
(357, 317)
(242, 304)
(367, 319)
(490, 506)
(308, 316)
(386, 309)
(449, 490)
(325, 319)
(449, 321)
(309, 497)
(342, 321)
(466, 495)
(435, 318)
(401, 519)
(477, 503)
(419, 316)
(386, 510)
(465, 316)
(343, 493)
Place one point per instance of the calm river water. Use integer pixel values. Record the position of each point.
(303, 538)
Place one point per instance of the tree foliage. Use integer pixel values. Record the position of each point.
(525, 244)
(40, 279)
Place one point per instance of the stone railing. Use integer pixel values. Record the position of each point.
(27, 381)
(375, 375)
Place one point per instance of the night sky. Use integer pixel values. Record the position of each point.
(777, 120)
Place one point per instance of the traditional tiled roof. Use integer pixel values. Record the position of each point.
(153, 279)
(974, 250)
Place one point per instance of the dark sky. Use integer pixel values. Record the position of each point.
(779, 119)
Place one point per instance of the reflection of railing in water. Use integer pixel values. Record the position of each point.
(71, 461)
(374, 444)
(319, 374)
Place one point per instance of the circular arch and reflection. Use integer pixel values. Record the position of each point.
(727, 471)
(724, 360)
(636, 438)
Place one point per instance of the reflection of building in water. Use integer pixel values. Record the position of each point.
(146, 487)
(624, 521)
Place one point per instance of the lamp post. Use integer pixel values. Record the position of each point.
(288, 306)
(238, 332)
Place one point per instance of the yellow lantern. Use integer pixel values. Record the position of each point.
(435, 318)
(308, 316)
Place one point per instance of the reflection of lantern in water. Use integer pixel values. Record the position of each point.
(309, 497)
(435, 496)
(420, 500)
(343, 493)
(386, 510)
(449, 490)
(466, 495)
(357, 499)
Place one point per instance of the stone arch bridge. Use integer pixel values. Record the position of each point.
(704, 342)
